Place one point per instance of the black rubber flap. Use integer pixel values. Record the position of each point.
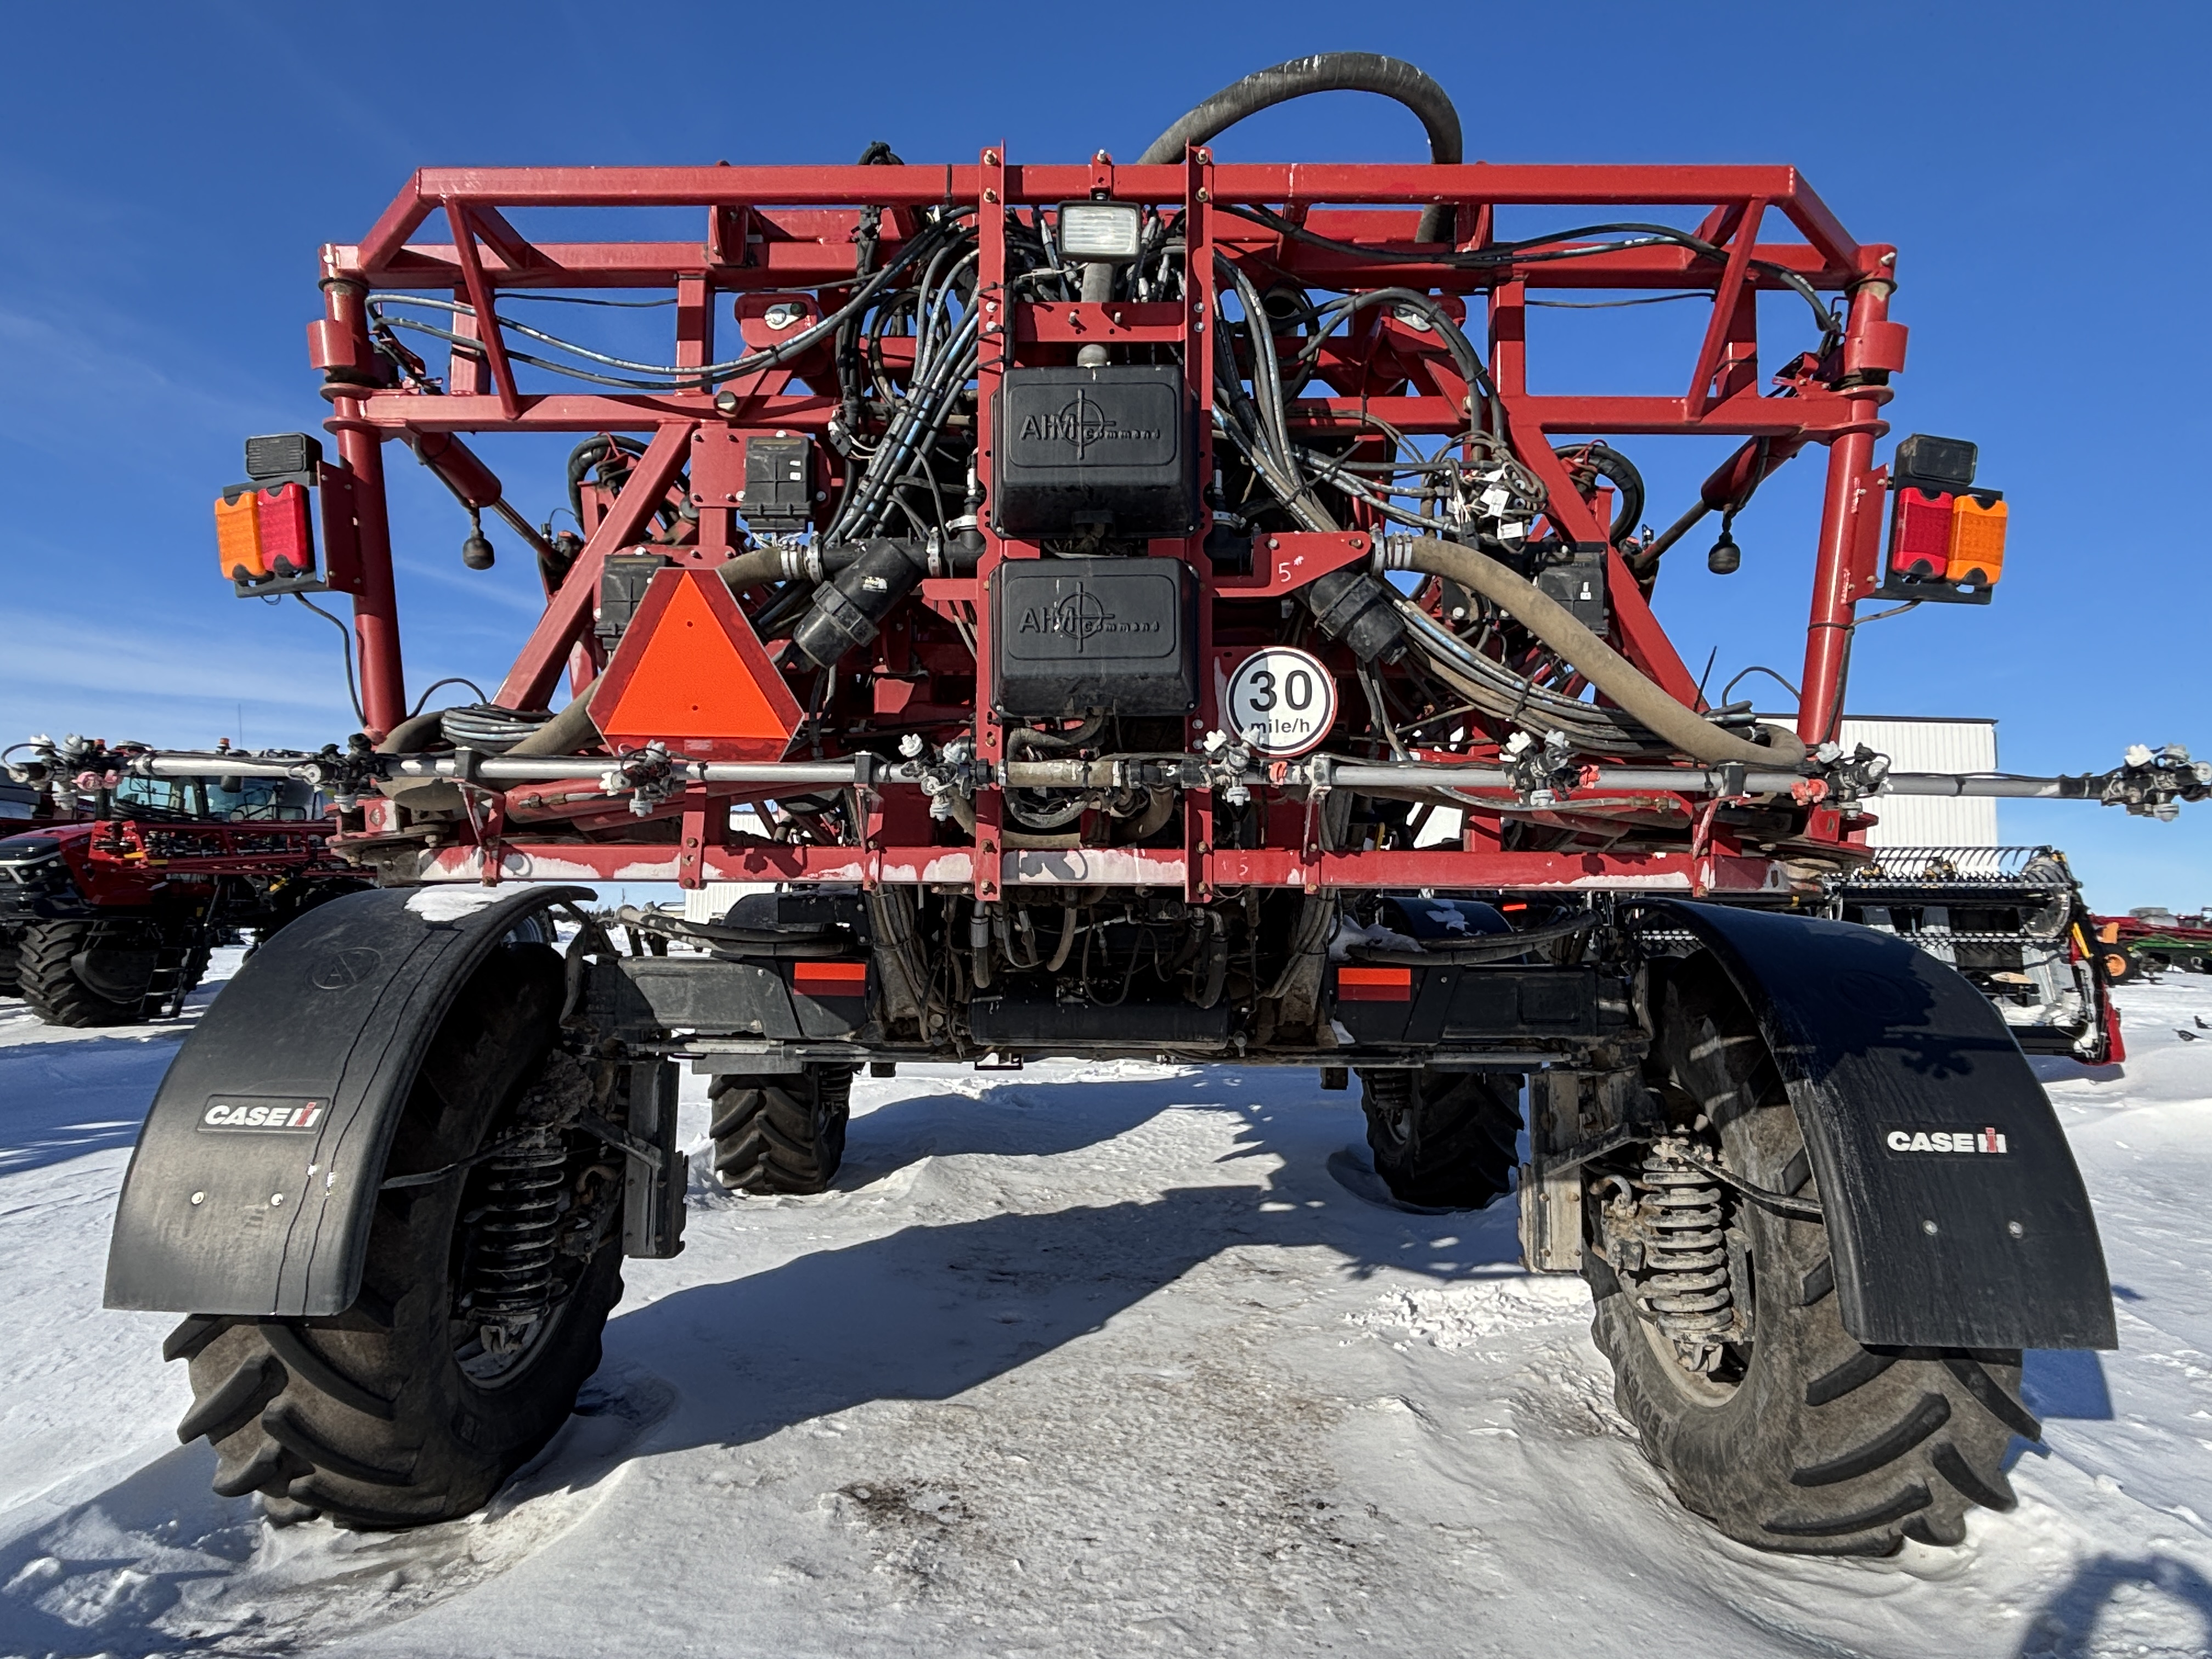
(1954, 1210)
(256, 1173)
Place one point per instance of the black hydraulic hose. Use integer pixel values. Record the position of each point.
(1616, 468)
(586, 455)
(1327, 71)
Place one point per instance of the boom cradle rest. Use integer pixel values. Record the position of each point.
(1140, 607)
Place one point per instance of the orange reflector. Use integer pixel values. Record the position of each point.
(238, 535)
(1977, 541)
(690, 673)
(1374, 985)
(831, 979)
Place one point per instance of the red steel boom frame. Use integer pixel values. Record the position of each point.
(792, 228)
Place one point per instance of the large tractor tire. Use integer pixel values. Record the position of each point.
(784, 1134)
(440, 1381)
(107, 970)
(1783, 1431)
(1445, 1140)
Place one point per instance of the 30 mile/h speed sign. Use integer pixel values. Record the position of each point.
(1281, 701)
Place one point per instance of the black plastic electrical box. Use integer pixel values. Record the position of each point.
(779, 484)
(1072, 636)
(623, 581)
(1113, 447)
(1576, 581)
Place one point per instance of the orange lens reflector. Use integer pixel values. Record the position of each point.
(1978, 541)
(1374, 985)
(238, 536)
(690, 673)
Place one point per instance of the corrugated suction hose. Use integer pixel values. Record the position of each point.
(1596, 661)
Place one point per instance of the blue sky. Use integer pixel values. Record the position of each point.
(169, 172)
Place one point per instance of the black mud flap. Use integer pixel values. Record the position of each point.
(1955, 1214)
(257, 1171)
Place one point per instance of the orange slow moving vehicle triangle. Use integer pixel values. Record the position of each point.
(689, 672)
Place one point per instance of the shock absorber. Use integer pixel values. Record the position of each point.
(510, 1277)
(1685, 1284)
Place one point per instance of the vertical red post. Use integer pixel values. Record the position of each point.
(1827, 633)
(375, 607)
(1836, 582)
(993, 355)
(1198, 374)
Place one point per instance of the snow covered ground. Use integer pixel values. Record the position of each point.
(1089, 1361)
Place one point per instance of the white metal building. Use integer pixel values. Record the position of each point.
(1929, 746)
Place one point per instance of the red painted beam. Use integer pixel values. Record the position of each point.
(568, 612)
(1447, 868)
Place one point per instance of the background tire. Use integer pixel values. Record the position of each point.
(11, 954)
(1808, 1442)
(1445, 1140)
(780, 1135)
(52, 975)
(48, 976)
(394, 1414)
(2121, 964)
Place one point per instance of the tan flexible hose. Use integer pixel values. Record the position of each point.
(763, 564)
(1596, 661)
(565, 732)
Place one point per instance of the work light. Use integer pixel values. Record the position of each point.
(1102, 232)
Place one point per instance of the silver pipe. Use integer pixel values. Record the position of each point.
(213, 766)
(2000, 784)
(1110, 772)
(1711, 780)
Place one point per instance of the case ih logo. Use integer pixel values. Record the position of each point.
(1080, 615)
(1944, 1141)
(232, 1112)
(1081, 424)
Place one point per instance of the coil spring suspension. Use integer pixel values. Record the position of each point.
(515, 1236)
(1684, 1285)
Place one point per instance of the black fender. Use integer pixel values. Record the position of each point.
(256, 1173)
(1890, 1055)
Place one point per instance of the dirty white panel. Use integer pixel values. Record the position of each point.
(1929, 746)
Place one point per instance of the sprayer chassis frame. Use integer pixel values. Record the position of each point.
(792, 227)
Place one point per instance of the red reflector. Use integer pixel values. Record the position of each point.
(1920, 532)
(288, 532)
(1374, 985)
(831, 979)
